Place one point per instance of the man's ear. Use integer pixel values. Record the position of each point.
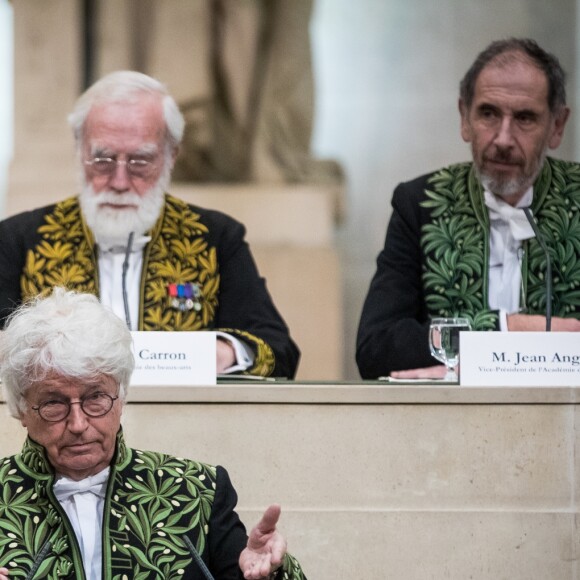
(465, 126)
(174, 154)
(560, 120)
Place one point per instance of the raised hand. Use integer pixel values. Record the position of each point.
(266, 547)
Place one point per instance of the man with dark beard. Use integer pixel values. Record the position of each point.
(158, 262)
(459, 243)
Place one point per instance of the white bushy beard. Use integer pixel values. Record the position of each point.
(111, 226)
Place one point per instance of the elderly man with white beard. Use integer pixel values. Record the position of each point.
(158, 262)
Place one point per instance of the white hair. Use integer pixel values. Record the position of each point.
(68, 334)
(125, 87)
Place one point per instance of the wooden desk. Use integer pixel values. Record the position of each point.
(379, 481)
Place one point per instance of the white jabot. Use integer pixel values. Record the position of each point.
(111, 258)
(83, 501)
(514, 217)
(137, 245)
(508, 227)
(95, 484)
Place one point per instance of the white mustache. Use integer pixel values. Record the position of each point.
(112, 198)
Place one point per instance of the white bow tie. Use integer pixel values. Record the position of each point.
(138, 244)
(64, 487)
(515, 217)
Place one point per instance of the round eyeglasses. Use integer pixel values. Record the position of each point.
(136, 166)
(94, 405)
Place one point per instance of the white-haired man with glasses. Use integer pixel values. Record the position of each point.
(77, 502)
(158, 262)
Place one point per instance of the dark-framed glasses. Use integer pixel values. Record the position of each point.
(136, 166)
(93, 405)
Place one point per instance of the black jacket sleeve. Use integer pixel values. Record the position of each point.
(394, 326)
(227, 534)
(245, 304)
(17, 235)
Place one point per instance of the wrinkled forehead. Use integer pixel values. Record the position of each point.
(519, 84)
(61, 386)
(126, 124)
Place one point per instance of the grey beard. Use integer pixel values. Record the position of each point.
(503, 189)
(114, 225)
(510, 188)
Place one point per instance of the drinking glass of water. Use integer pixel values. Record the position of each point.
(444, 342)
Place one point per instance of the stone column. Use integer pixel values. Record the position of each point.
(47, 79)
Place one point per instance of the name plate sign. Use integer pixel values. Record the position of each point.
(174, 358)
(522, 359)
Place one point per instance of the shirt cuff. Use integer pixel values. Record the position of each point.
(503, 324)
(243, 353)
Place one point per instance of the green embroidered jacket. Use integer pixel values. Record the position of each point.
(153, 502)
(456, 245)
